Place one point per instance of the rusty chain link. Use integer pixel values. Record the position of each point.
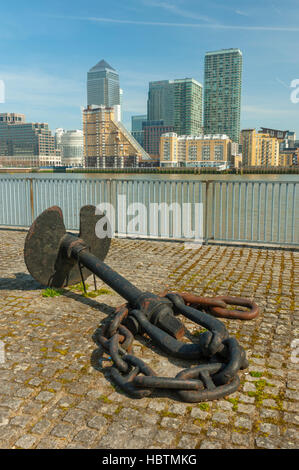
(209, 381)
(218, 306)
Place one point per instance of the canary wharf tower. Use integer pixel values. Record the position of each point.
(103, 85)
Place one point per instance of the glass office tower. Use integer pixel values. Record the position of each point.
(177, 103)
(222, 92)
(103, 85)
(136, 127)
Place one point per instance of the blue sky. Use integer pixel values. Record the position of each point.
(46, 49)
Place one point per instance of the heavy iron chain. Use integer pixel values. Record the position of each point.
(208, 381)
(68, 257)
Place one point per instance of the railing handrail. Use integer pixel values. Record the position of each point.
(34, 178)
(250, 211)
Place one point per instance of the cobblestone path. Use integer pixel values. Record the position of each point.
(54, 394)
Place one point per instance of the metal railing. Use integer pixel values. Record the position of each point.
(258, 212)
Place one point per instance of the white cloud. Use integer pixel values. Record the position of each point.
(214, 26)
(241, 13)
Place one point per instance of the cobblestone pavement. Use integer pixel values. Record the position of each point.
(54, 393)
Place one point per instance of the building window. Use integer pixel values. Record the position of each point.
(192, 152)
(205, 153)
(166, 151)
(218, 152)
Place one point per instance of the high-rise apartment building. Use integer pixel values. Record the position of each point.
(177, 103)
(195, 151)
(259, 149)
(107, 143)
(103, 87)
(160, 102)
(288, 157)
(287, 145)
(286, 139)
(222, 92)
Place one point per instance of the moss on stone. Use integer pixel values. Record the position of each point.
(168, 414)
(256, 374)
(63, 352)
(105, 399)
(118, 409)
(235, 402)
(204, 406)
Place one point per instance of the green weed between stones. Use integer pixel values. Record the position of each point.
(97, 292)
(204, 406)
(49, 292)
(255, 374)
(80, 287)
(105, 399)
(168, 414)
(199, 422)
(63, 352)
(235, 402)
(118, 409)
(260, 395)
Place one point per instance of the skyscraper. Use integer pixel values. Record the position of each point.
(136, 127)
(136, 122)
(222, 92)
(103, 87)
(177, 103)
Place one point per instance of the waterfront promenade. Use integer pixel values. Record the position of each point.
(54, 394)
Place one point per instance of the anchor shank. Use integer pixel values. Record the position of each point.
(78, 251)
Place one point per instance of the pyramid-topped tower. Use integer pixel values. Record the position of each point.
(103, 85)
(102, 65)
